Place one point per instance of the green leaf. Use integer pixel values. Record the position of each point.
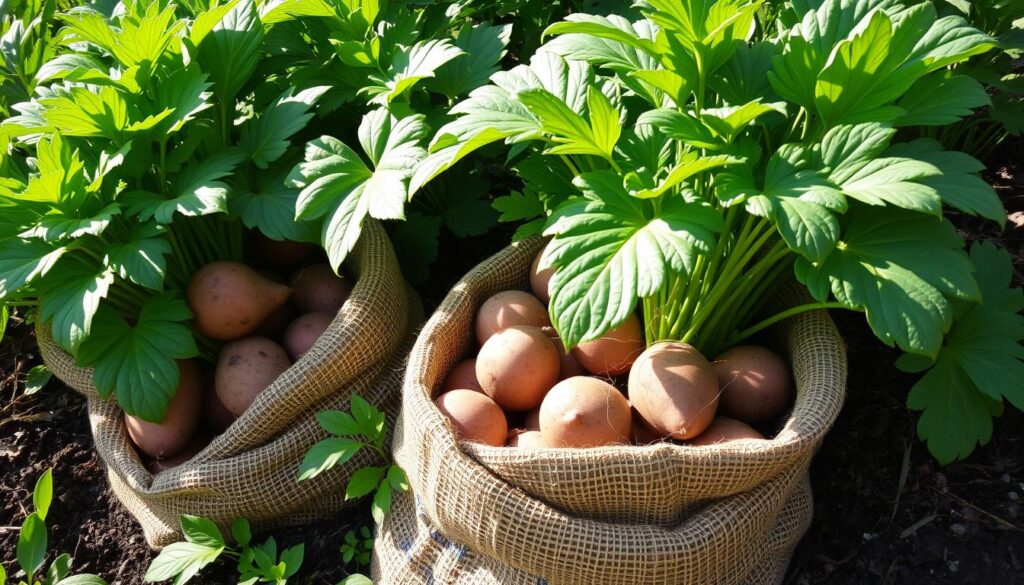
(981, 363)
(326, 454)
(22, 261)
(363, 481)
(844, 89)
(59, 568)
(181, 561)
(397, 478)
(958, 183)
(291, 558)
(381, 502)
(277, 11)
(69, 304)
(940, 100)
(137, 362)
(241, 532)
(569, 129)
(36, 379)
(730, 121)
(82, 579)
(611, 248)
(230, 50)
(42, 495)
(266, 137)
(185, 92)
(483, 46)
(338, 422)
(4, 317)
(409, 66)
(336, 182)
(689, 164)
(201, 531)
(199, 190)
(604, 40)
(268, 204)
(31, 548)
(356, 579)
(518, 206)
(493, 112)
(901, 268)
(801, 202)
(140, 259)
(680, 126)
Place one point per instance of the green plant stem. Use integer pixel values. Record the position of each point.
(741, 335)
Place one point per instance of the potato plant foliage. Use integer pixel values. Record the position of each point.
(144, 136)
(693, 157)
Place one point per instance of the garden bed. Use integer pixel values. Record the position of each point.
(963, 523)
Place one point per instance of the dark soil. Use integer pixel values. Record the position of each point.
(885, 512)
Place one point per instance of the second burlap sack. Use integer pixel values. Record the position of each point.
(251, 469)
(658, 514)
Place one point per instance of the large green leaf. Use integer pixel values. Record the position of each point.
(185, 92)
(851, 155)
(266, 137)
(69, 303)
(181, 561)
(940, 100)
(335, 181)
(198, 190)
(611, 248)
(268, 204)
(136, 362)
(902, 268)
(483, 46)
(958, 183)
(571, 133)
(140, 258)
(409, 66)
(230, 50)
(801, 202)
(22, 261)
(981, 363)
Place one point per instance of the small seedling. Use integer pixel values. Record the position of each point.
(204, 544)
(32, 543)
(357, 546)
(364, 427)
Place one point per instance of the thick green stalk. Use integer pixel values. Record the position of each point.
(764, 324)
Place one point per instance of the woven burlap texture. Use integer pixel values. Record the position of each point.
(251, 469)
(658, 514)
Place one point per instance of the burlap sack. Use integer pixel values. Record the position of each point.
(250, 470)
(657, 514)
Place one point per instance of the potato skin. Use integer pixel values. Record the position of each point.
(168, 438)
(475, 417)
(517, 366)
(585, 412)
(462, 376)
(230, 300)
(614, 352)
(509, 308)
(319, 290)
(526, 439)
(245, 368)
(674, 390)
(303, 333)
(540, 280)
(755, 383)
(724, 430)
